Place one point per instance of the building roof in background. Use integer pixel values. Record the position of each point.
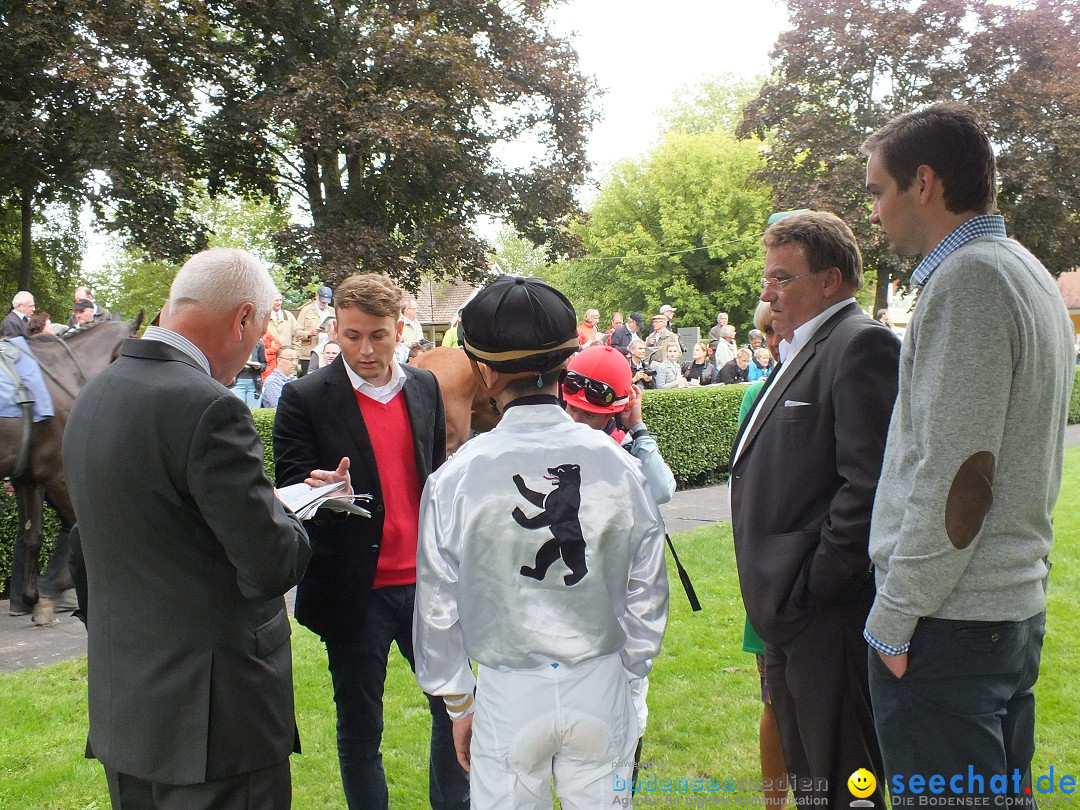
(439, 301)
(1069, 284)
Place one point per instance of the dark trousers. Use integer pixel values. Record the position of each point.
(358, 670)
(269, 788)
(821, 699)
(966, 701)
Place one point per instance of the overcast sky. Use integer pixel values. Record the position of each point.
(643, 51)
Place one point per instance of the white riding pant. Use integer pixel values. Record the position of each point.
(577, 724)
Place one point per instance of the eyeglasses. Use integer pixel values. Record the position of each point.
(779, 283)
(596, 392)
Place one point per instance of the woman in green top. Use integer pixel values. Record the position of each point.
(773, 766)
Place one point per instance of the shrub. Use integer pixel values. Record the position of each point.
(1074, 403)
(694, 428)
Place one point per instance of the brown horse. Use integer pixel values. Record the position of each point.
(67, 363)
(466, 401)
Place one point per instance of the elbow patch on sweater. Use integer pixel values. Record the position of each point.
(970, 498)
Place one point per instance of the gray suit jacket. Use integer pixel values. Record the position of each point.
(803, 486)
(188, 554)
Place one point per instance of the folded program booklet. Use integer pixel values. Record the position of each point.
(305, 501)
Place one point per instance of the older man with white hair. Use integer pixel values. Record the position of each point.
(17, 322)
(191, 705)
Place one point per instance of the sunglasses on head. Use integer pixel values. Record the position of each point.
(597, 393)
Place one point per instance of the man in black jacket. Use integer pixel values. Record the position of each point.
(382, 423)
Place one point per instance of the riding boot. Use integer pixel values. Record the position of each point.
(17, 607)
(57, 578)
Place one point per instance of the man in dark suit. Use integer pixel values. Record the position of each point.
(16, 322)
(805, 466)
(383, 423)
(188, 554)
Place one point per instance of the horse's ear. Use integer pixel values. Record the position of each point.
(138, 321)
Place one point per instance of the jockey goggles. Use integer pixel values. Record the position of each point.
(598, 393)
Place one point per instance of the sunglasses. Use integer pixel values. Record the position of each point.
(597, 393)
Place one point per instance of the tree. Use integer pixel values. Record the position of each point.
(135, 280)
(387, 119)
(681, 226)
(845, 68)
(56, 255)
(94, 108)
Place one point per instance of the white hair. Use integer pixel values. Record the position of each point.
(727, 330)
(21, 297)
(223, 279)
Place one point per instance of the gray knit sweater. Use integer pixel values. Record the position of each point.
(961, 523)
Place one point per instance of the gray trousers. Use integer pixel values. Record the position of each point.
(964, 707)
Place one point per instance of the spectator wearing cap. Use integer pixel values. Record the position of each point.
(84, 293)
(660, 338)
(82, 314)
(309, 322)
(542, 560)
(623, 336)
(668, 311)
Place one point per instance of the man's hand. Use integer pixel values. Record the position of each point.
(320, 478)
(896, 664)
(463, 741)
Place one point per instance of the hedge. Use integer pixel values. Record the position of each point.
(694, 428)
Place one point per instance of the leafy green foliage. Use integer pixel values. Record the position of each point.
(843, 69)
(694, 428)
(681, 226)
(134, 281)
(9, 530)
(264, 423)
(387, 118)
(96, 104)
(1074, 402)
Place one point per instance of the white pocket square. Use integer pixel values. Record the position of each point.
(794, 403)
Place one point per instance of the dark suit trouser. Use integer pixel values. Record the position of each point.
(358, 671)
(820, 694)
(265, 789)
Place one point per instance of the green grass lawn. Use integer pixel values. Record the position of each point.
(703, 699)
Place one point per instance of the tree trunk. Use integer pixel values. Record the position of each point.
(881, 295)
(26, 259)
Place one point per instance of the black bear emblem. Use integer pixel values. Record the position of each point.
(561, 514)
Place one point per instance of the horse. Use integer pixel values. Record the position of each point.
(466, 402)
(67, 364)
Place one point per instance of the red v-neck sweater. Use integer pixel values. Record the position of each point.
(391, 437)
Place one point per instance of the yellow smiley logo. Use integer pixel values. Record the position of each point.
(861, 783)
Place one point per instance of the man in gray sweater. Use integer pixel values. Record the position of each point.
(961, 529)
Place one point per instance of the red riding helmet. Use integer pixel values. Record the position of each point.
(598, 381)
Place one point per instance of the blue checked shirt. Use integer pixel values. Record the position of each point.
(982, 225)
